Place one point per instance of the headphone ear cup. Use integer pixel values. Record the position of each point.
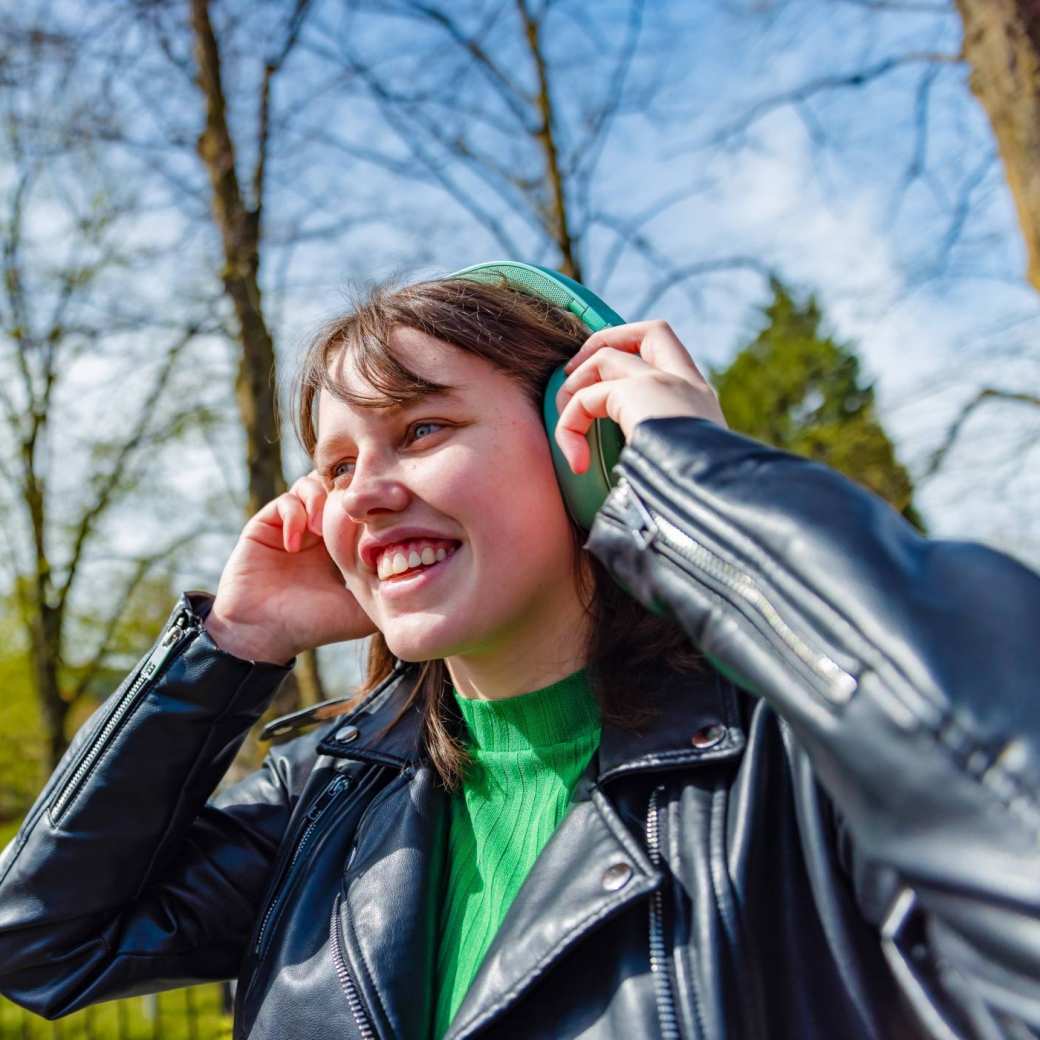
(583, 493)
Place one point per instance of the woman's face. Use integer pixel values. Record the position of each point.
(474, 469)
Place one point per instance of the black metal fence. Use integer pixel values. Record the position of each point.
(197, 1013)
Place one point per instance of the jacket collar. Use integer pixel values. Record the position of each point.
(696, 718)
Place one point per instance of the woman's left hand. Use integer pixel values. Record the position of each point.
(629, 373)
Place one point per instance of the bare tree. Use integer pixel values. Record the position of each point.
(509, 110)
(238, 218)
(1002, 47)
(924, 52)
(65, 244)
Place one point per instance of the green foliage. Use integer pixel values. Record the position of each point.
(185, 1014)
(798, 389)
(22, 744)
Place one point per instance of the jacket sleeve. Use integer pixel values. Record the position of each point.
(123, 878)
(907, 668)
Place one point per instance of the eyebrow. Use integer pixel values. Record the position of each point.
(324, 450)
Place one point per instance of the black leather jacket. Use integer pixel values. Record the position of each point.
(854, 851)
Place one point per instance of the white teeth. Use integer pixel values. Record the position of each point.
(397, 563)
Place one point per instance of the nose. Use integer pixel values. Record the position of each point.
(373, 489)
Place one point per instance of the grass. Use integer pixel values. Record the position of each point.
(185, 1014)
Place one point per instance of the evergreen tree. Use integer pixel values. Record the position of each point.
(801, 390)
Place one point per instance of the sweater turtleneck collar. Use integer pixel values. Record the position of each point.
(556, 713)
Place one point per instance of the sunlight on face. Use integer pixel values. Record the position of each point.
(475, 468)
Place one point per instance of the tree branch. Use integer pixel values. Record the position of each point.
(143, 564)
(406, 133)
(109, 483)
(271, 69)
(514, 97)
(680, 274)
(953, 431)
(834, 81)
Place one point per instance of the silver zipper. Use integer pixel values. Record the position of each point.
(658, 954)
(314, 815)
(357, 1009)
(174, 636)
(647, 526)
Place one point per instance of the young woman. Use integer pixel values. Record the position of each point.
(547, 815)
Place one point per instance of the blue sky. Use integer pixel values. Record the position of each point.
(923, 272)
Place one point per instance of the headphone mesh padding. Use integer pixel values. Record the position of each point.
(539, 285)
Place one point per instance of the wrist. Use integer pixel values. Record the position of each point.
(246, 643)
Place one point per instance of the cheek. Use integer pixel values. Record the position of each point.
(521, 489)
(340, 535)
(503, 491)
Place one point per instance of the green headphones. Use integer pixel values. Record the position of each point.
(583, 493)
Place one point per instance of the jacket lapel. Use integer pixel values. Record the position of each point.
(696, 718)
(559, 903)
(393, 883)
(573, 886)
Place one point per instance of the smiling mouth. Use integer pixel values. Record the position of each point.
(420, 568)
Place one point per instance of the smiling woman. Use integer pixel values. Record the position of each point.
(546, 816)
(521, 603)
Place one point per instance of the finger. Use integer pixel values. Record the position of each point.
(654, 341)
(312, 492)
(582, 410)
(294, 520)
(607, 363)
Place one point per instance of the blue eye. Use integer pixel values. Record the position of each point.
(426, 422)
(333, 470)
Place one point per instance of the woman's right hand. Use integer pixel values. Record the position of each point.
(280, 592)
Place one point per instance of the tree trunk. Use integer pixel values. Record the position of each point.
(45, 650)
(255, 386)
(1002, 46)
(239, 228)
(559, 225)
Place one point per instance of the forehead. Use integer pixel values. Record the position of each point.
(471, 380)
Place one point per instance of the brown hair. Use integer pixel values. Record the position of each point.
(527, 339)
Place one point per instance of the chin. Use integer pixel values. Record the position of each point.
(417, 642)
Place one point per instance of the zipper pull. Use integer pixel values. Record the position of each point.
(321, 803)
(637, 517)
(182, 626)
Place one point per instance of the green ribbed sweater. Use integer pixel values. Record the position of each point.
(527, 753)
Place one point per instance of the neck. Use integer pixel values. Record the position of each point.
(527, 660)
(509, 676)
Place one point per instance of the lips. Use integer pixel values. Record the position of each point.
(370, 547)
(413, 556)
(402, 588)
